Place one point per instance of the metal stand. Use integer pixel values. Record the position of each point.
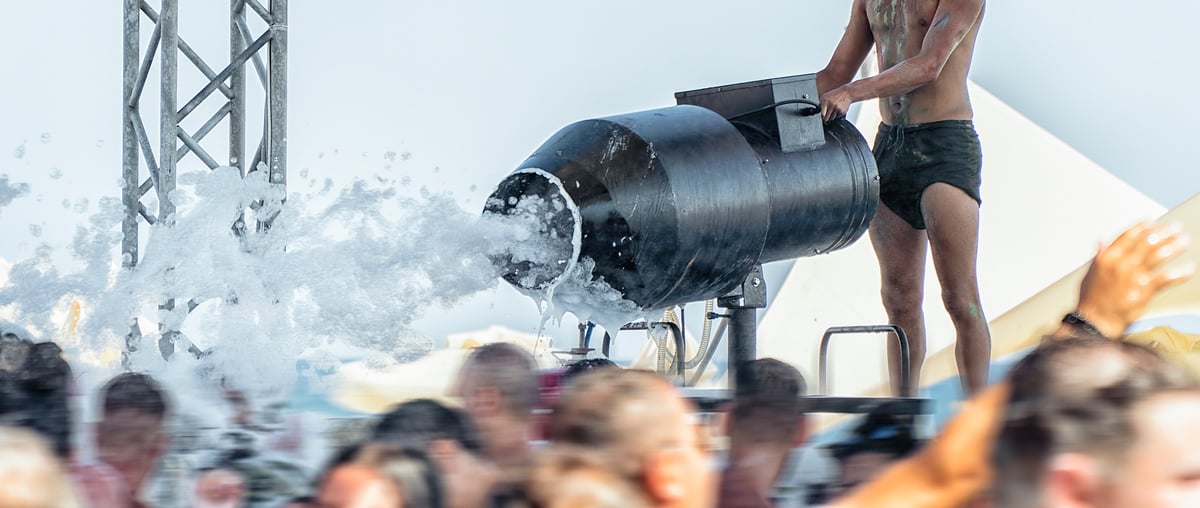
(901, 341)
(165, 45)
(743, 304)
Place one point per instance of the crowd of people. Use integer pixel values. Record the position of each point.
(1085, 419)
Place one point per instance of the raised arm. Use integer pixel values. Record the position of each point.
(952, 22)
(851, 51)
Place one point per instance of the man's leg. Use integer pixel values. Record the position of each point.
(901, 253)
(953, 221)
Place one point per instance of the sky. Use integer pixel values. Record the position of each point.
(463, 91)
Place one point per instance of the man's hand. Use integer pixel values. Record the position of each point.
(835, 103)
(1127, 273)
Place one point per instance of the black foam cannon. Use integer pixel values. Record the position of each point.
(680, 204)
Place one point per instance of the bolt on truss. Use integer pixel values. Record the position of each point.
(228, 84)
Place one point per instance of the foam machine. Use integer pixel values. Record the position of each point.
(683, 204)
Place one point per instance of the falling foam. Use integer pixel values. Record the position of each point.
(9, 192)
(557, 278)
(355, 273)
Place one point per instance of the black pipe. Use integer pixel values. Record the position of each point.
(743, 333)
(677, 205)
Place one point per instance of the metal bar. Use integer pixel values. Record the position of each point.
(258, 153)
(823, 352)
(212, 122)
(168, 121)
(144, 141)
(141, 209)
(203, 67)
(258, 64)
(145, 187)
(237, 82)
(197, 149)
(204, 130)
(129, 145)
(262, 11)
(144, 72)
(277, 94)
(742, 339)
(146, 8)
(212, 85)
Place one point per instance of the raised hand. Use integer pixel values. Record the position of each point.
(1127, 273)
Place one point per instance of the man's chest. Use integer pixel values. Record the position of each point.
(893, 18)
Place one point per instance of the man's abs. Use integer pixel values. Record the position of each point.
(899, 28)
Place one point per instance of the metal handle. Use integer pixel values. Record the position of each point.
(823, 355)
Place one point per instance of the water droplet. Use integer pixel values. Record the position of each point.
(55, 173)
(35, 230)
(405, 156)
(46, 137)
(390, 156)
(19, 153)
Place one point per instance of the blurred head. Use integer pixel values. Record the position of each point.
(1086, 417)
(450, 440)
(357, 486)
(130, 434)
(30, 475)
(640, 430)
(499, 381)
(566, 477)
(411, 470)
(414, 476)
(577, 367)
(767, 409)
(35, 382)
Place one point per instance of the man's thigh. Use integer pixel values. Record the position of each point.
(900, 249)
(952, 219)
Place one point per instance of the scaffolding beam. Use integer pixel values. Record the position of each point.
(143, 170)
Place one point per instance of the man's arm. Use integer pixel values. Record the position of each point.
(951, 23)
(850, 53)
(955, 466)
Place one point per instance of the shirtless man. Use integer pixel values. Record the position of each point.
(929, 164)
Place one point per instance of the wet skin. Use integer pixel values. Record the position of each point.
(924, 50)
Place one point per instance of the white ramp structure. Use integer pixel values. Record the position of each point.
(1045, 208)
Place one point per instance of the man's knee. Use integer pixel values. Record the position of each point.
(963, 306)
(902, 300)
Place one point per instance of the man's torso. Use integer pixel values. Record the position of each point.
(899, 28)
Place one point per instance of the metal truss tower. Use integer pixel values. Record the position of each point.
(173, 142)
(165, 46)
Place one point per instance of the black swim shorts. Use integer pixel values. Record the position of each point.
(913, 157)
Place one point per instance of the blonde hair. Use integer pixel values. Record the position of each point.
(567, 476)
(30, 473)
